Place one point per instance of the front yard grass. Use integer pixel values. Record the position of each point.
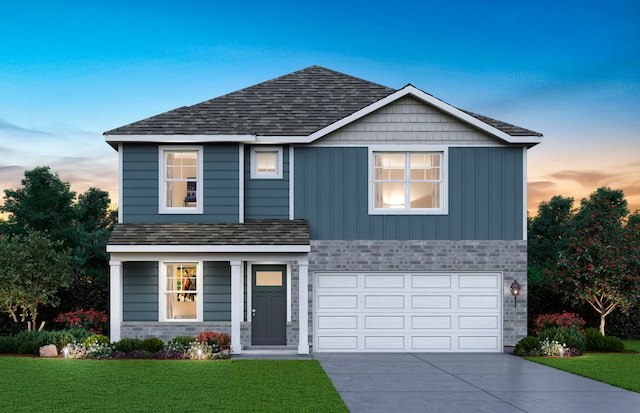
(618, 369)
(36, 385)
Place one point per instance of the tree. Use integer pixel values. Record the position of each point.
(43, 204)
(549, 231)
(601, 264)
(32, 271)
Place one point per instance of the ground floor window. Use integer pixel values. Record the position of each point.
(182, 285)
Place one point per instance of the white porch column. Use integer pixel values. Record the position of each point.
(303, 310)
(115, 299)
(236, 306)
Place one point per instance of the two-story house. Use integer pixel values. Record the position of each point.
(318, 210)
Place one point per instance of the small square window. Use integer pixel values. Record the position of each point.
(266, 163)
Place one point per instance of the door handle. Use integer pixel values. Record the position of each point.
(253, 312)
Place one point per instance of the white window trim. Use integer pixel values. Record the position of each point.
(254, 164)
(162, 188)
(162, 282)
(444, 170)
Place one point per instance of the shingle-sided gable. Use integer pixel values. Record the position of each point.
(296, 104)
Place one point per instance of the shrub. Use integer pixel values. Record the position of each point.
(200, 350)
(568, 337)
(527, 346)
(606, 344)
(180, 343)
(8, 344)
(126, 345)
(565, 320)
(61, 338)
(140, 354)
(28, 347)
(170, 354)
(152, 345)
(79, 334)
(95, 339)
(218, 341)
(91, 320)
(99, 350)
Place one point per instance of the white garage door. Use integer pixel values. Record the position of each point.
(419, 312)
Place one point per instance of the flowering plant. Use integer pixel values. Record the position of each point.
(219, 341)
(565, 320)
(92, 320)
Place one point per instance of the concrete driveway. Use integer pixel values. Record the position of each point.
(431, 382)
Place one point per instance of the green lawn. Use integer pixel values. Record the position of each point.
(618, 369)
(37, 385)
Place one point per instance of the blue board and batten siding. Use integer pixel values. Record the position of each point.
(140, 291)
(266, 198)
(485, 197)
(140, 171)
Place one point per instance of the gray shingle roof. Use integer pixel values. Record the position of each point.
(297, 104)
(260, 232)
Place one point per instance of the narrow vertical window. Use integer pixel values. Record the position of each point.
(181, 291)
(181, 183)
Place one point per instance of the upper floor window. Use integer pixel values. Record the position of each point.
(411, 182)
(266, 162)
(180, 180)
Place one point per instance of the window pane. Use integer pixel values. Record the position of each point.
(418, 166)
(425, 195)
(181, 296)
(268, 278)
(389, 195)
(267, 161)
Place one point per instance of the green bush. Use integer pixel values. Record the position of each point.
(527, 346)
(95, 339)
(180, 343)
(568, 337)
(605, 344)
(79, 334)
(28, 347)
(61, 338)
(152, 345)
(128, 345)
(8, 344)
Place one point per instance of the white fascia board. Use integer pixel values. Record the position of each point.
(177, 138)
(210, 248)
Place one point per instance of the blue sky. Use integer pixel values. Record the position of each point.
(569, 69)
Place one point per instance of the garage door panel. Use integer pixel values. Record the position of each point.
(490, 281)
(337, 281)
(384, 343)
(431, 302)
(384, 322)
(431, 343)
(478, 302)
(431, 281)
(408, 312)
(477, 343)
(337, 322)
(431, 322)
(382, 302)
(328, 302)
(338, 343)
(472, 323)
(384, 281)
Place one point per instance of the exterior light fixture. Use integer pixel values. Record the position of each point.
(65, 352)
(199, 354)
(515, 292)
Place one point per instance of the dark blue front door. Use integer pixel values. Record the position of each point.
(269, 302)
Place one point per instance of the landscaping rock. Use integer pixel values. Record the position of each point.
(49, 351)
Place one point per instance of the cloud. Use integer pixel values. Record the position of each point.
(13, 129)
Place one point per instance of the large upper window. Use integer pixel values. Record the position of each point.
(180, 180)
(407, 182)
(181, 291)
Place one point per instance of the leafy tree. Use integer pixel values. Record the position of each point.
(43, 204)
(601, 263)
(32, 271)
(549, 231)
